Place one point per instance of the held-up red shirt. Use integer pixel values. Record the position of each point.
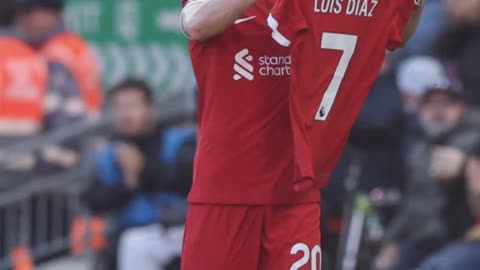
(338, 48)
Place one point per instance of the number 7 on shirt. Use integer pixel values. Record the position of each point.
(346, 44)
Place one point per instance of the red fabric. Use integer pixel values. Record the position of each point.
(400, 23)
(357, 34)
(251, 237)
(245, 150)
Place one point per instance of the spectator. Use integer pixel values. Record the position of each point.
(459, 45)
(435, 206)
(142, 178)
(464, 254)
(417, 74)
(40, 22)
(22, 91)
(414, 76)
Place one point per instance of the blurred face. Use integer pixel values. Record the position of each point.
(132, 114)
(36, 22)
(464, 11)
(440, 114)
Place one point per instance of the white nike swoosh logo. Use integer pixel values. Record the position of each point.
(242, 20)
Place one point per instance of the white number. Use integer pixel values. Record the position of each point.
(314, 254)
(346, 44)
(306, 255)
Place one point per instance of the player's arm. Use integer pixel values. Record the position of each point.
(405, 23)
(413, 22)
(203, 19)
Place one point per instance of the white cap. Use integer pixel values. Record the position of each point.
(417, 74)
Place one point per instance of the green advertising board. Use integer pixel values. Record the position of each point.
(136, 38)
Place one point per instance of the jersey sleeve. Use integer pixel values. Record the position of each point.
(189, 8)
(399, 23)
(286, 20)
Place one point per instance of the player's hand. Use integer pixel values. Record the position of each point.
(132, 163)
(387, 257)
(447, 163)
(130, 158)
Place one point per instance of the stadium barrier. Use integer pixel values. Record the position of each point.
(35, 218)
(43, 217)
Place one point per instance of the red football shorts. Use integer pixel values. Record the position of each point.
(219, 237)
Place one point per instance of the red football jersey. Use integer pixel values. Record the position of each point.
(337, 47)
(245, 151)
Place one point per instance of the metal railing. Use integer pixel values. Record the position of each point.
(38, 216)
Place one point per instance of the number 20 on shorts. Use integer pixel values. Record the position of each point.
(313, 256)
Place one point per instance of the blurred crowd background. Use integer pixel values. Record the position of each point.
(97, 139)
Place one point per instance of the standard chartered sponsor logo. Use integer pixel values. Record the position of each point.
(267, 65)
(275, 65)
(243, 66)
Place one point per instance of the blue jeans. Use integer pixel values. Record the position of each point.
(457, 256)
